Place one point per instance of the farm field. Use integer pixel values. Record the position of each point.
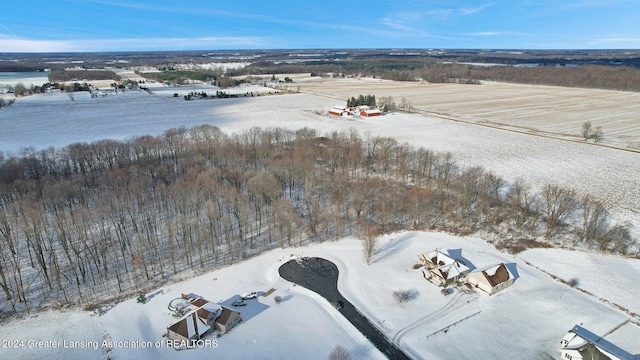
(536, 311)
(544, 110)
(610, 175)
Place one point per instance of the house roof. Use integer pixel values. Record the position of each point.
(226, 315)
(452, 270)
(209, 309)
(438, 258)
(199, 302)
(497, 274)
(190, 326)
(584, 336)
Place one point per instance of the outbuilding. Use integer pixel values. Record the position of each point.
(339, 111)
(370, 112)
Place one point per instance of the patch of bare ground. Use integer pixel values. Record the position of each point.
(516, 246)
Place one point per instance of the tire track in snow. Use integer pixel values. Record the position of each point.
(451, 305)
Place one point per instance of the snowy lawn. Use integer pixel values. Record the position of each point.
(606, 276)
(526, 320)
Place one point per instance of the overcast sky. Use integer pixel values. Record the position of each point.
(130, 25)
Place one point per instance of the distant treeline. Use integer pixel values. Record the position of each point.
(79, 75)
(185, 77)
(90, 222)
(623, 78)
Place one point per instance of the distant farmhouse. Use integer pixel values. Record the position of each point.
(363, 110)
(205, 317)
(580, 343)
(492, 278)
(442, 269)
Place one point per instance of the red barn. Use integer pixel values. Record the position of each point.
(370, 112)
(339, 111)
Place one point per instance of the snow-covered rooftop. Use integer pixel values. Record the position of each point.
(583, 336)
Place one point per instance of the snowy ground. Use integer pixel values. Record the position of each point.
(526, 320)
(606, 276)
(533, 109)
(611, 175)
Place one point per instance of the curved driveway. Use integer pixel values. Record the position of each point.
(321, 276)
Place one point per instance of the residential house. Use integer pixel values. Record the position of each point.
(442, 269)
(492, 278)
(204, 318)
(580, 343)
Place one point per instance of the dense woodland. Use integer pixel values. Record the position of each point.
(624, 78)
(79, 75)
(91, 222)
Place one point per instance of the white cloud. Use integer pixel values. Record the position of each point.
(457, 11)
(493, 33)
(616, 42)
(26, 45)
(474, 10)
(397, 24)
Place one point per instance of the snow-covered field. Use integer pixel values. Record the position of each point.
(526, 320)
(532, 109)
(611, 175)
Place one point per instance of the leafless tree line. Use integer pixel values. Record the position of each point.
(89, 222)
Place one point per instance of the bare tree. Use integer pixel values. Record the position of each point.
(369, 248)
(598, 134)
(586, 130)
(402, 296)
(558, 203)
(339, 353)
(595, 220)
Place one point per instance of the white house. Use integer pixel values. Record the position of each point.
(580, 343)
(441, 268)
(492, 278)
